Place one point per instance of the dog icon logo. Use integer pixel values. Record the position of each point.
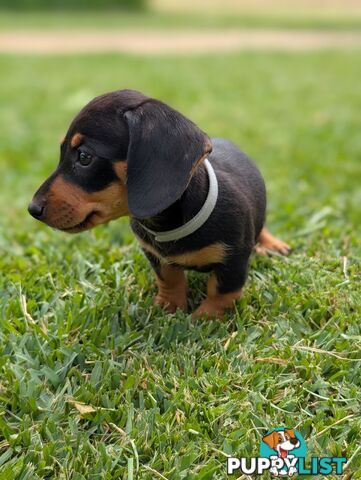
(285, 445)
(283, 453)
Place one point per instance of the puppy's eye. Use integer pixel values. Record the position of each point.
(84, 158)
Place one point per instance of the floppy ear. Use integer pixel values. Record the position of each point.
(164, 148)
(271, 440)
(290, 432)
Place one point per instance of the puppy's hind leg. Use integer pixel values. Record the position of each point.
(267, 243)
(224, 287)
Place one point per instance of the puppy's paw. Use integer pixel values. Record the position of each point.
(209, 310)
(171, 303)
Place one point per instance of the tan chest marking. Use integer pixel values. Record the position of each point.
(214, 253)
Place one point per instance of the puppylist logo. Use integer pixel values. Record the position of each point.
(283, 452)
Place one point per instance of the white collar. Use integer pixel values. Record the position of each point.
(198, 220)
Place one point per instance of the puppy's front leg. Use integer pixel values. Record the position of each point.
(172, 285)
(172, 289)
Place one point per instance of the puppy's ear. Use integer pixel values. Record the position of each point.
(271, 439)
(164, 149)
(290, 432)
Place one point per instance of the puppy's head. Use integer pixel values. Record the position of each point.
(124, 154)
(282, 441)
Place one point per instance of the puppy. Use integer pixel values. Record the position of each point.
(194, 202)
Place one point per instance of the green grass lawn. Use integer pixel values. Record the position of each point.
(95, 382)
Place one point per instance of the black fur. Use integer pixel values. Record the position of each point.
(164, 146)
(236, 220)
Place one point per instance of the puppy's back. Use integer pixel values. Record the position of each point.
(241, 178)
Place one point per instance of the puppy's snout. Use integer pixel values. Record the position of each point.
(36, 208)
(294, 441)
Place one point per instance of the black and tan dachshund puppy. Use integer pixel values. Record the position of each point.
(194, 202)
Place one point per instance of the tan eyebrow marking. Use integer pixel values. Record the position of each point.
(76, 140)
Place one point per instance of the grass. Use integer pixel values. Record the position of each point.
(160, 19)
(95, 382)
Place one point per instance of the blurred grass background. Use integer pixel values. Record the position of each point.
(95, 382)
(31, 5)
(163, 14)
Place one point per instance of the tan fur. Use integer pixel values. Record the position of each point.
(68, 205)
(216, 303)
(120, 168)
(214, 253)
(172, 289)
(76, 140)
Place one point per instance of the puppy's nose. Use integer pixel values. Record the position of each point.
(294, 441)
(36, 209)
